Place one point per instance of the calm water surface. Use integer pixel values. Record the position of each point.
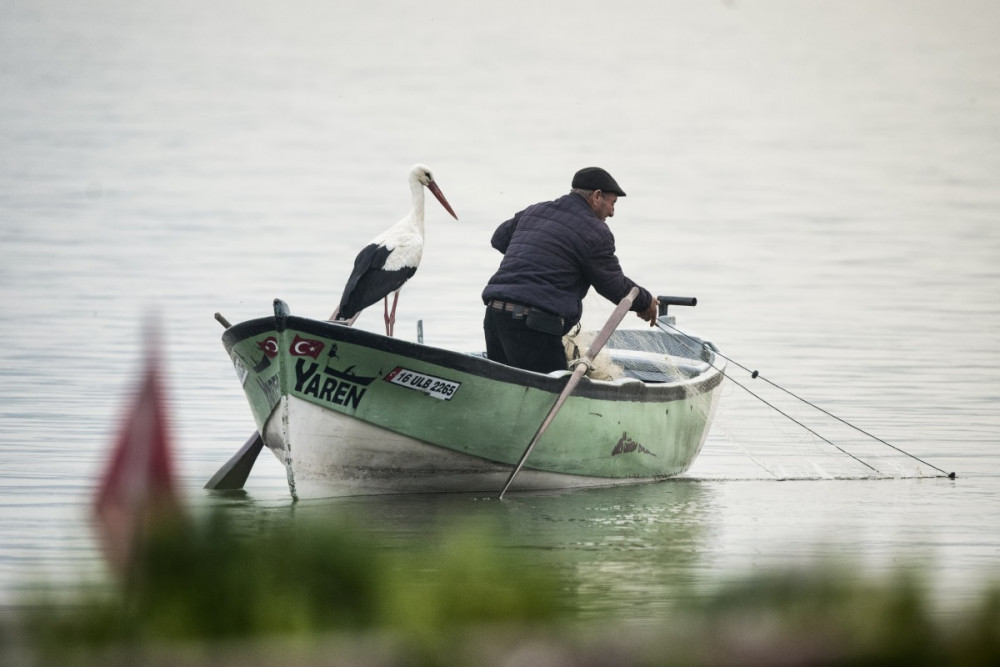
(822, 176)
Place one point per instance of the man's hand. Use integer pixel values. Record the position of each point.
(649, 315)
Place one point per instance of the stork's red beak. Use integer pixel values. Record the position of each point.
(433, 187)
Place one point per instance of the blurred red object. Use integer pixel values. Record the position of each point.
(138, 485)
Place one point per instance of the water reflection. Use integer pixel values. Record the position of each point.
(626, 551)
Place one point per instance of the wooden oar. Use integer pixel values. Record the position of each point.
(234, 472)
(579, 370)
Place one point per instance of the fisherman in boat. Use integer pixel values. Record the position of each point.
(554, 252)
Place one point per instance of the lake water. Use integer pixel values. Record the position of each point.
(823, 176)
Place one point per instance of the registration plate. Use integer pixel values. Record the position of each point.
(427, 384)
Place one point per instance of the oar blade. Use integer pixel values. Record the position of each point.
(234, 472)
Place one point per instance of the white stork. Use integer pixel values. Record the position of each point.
(392, 257)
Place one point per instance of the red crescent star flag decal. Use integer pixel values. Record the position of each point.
(270, 346)
(303, 347)
(138, 484)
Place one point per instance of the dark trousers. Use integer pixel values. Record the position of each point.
(510, 341)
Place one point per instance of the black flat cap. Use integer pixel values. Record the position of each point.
(595, 178)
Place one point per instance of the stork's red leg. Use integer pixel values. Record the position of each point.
(390, 320)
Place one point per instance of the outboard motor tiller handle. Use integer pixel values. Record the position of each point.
(674, 301)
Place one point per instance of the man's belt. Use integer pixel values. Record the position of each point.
(510, 306)
(545, 320)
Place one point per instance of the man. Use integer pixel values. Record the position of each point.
(553, 253)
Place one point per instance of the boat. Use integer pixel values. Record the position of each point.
(351, 412)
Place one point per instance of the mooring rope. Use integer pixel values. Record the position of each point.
(755, 374)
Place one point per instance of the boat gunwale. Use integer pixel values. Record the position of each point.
(627, 389)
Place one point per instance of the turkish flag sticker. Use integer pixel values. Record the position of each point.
(303, 347)
(269, 345)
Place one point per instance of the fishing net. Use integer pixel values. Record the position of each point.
(576, 344)
(642, 355)
(763, 430)
(760, 430)
(772, 436)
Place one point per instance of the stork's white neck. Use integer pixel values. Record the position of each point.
(417, 196)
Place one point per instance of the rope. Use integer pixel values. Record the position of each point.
(702, 345)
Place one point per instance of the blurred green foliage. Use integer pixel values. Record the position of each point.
(293, 588)
(210, 580)
(830, 614)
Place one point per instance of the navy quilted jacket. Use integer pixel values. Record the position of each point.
(553, 253)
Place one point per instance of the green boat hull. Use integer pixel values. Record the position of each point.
(352, 412)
